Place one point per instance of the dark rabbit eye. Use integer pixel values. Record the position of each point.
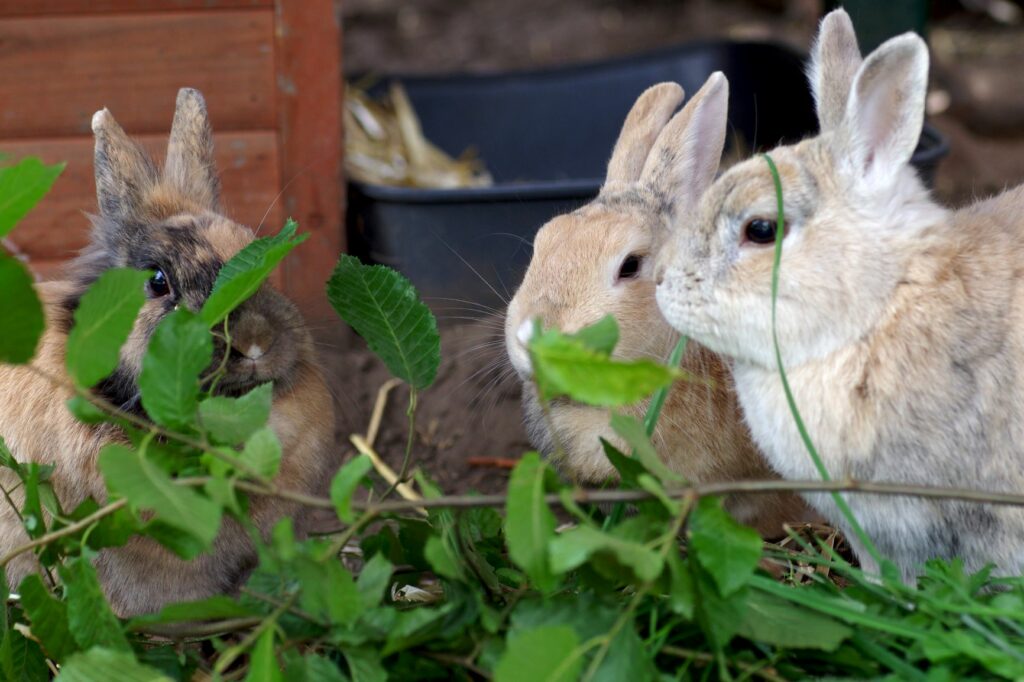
(630, 267)
(158, 285)
(760, 231)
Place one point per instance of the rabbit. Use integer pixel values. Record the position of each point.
(900, 323)
(599, 260)
(168, 221)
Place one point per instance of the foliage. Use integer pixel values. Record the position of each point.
(553, 589)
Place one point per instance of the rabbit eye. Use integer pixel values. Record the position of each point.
(630, 267)
(158, 286)
(760, 231)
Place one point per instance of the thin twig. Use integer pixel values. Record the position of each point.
(193, 630)
(705, 658)
(386, 472)
(378, 410)
(63, 532)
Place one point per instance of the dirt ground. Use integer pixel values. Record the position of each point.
(977, 101)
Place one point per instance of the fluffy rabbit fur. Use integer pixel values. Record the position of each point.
(599, 260)
(901, 324)
(168, 221)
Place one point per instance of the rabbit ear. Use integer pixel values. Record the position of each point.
(835, 59)
(189, 166)
(686, 154)
(885, 112)
(124, 172)
(645, 120)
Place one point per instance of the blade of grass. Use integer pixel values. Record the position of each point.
(839, 500)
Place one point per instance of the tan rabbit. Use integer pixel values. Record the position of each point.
(901, 324)
(599, 260)
(168, 221)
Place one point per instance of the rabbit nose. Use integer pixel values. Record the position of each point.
(525, 333)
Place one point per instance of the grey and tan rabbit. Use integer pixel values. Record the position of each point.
(900, 323)
(168, 221)
(599, 260)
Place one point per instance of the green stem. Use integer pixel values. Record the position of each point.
(410, 440)
(658, 400)
(839, 500)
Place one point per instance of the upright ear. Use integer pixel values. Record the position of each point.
(835, 59)
(124, 172)
(643, 123)
(683, 162)
(885, 112)
(189, 166)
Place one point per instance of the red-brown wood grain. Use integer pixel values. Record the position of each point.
(16, 8)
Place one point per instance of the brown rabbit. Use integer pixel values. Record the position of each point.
(597, 261)
(168, 222)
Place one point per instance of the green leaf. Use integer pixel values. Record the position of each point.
(181, 348)
(770, 620)
(145, 486)
(90, 619)
(263, 665)
(728, 551)
(633, 432)
(382, 306)
(441, 558)
(373, 580)
(22, 185)
(21, 315)
(328, 590)
(345, 483)
(573, 547)
(21, 660)
(103, 320)
(49, 618)
(241, 276)
(105, 665)
(311, 668)
(364, 664)
(602, 336)
(263, 452)
(682, 594)
(529, 523)
(566, 366)
(545, 654)
(231, 421)
(213, 608)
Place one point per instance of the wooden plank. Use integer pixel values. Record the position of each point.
(56, 228)
(309, 110)
(25, 8)
(55, 72)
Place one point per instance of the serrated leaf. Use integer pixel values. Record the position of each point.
(106, 665)
(48, 617)
(311, 668)
(21, 660)
(602, 336)
(728, 551)
(632, 431)
(364, 664)
(263, 452)
(180, 349)
(328, 590)
(373, 580)
(770, 620)
(575, 546)
(21, 315)
(441, 559)
(345, 483)
(681, 591)
(263, 665)
(22, 186)
(566, 366)
(103, 320)
(212, 608)
(231, 421)
(544, 654)
(382, 306)
(146, 486)
(90, 619)
(241, 276)
(529, 523)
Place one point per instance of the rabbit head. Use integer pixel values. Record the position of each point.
(853, 205)
(169, 220)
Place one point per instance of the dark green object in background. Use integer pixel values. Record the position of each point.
(878, 20)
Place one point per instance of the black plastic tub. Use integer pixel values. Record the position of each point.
(546, 137)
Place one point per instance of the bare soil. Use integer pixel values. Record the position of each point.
(977, 101)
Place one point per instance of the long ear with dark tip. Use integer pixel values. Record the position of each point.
(885, 113)
(684, 160)
(124, 172)
(645, 120)
(189, 166)
(835, 59)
